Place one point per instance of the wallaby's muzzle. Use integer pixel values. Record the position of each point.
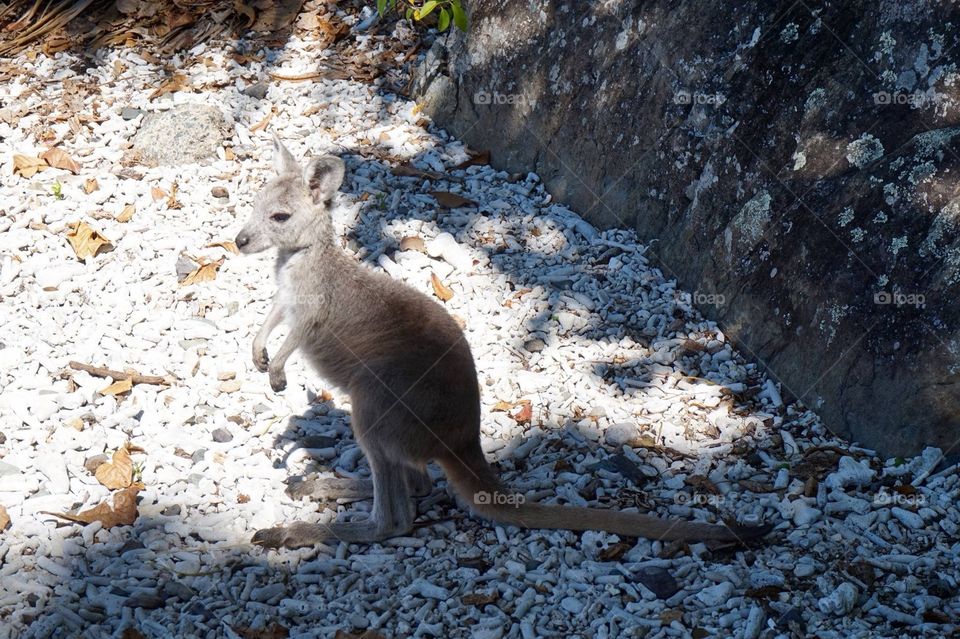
(242, 241)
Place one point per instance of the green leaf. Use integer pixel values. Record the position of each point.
(409, 13)
(381, 6)
(426, 9)
(444, 20)
(459, 16)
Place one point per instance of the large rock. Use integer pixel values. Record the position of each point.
(798, 168)
(181, 135)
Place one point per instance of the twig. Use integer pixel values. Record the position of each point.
(136, 378)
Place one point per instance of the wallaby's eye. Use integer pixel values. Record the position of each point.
(279, 217)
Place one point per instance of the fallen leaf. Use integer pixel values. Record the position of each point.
(480, 598)
(227, 245)
(157, 193)
(476, 159)
(440, 289)
(451, 200)
(502, 406)
(408, 170)
(367, 634)
(87, 242)
(206, 271)
(247, 12)
(117, 473)
(172, 202)
(4, 518)
(669, 616)
(127, 213)
(91, 185)
(178, 82)
(276, 631)
(413, 243)
(242, 499)
(27, 165)
(123, 512)
(262, 124)
(229, 154)
(522, 413)
(119, 387)
(614, 552)
(59, 159)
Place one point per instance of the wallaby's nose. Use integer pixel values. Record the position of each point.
(242, 240)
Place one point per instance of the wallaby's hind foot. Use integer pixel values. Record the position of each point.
(331, 488)
(301, 534)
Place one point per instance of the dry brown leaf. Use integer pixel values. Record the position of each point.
(178, 82)
(522, 412)
(367, 634)
(669, 616)
(157, 193)
(205, 272)
(117, 473)
(127, 213)
(172, 202)
(27, 165)
(440, 289)
(262, 124)
(87, 242)
(275, 631)
(408, 170)
(451, 200)
(413, 243)
(4, 518)
(502, 406)
(227, 245)
(91, 185)
(122, 513)
(476, 158)
(119, 387)
(59, 159)
(229, 154)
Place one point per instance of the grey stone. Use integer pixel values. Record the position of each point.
(257, 90)
(130, 113)
(181, 135)
(830, 261)
(658, 581)
(534, 345)
(8, 469)
(222, 435)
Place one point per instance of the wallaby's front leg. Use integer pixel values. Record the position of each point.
(278, 380)
(260, 359)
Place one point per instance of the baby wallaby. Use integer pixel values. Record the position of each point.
(409, 372)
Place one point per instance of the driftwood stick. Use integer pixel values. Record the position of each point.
(136, 378)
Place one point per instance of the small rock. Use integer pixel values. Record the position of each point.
(658, 581)
(840, 601)
(182, 135)
(907, 518)
(572, 604)
(175, 589)
(222, 435)
(621, 433)
(230, 386)
(534, 345)
(804, 515)
(850, 472)
(145, 600)
(220, 192)
(257, 90)
(713, 596)
(93, 463)
(130, 113)
(8, 469)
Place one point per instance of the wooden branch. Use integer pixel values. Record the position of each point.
(136, 378)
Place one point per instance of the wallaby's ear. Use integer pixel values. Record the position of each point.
(323, 176)
(283, 160)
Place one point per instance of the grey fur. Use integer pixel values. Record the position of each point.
(406, 365)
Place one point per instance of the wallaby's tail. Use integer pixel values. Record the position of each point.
(477, 484)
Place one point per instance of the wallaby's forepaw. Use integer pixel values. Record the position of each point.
(278, 379)
(296, 535)
(260, 359)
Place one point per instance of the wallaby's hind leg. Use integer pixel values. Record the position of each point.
(419, 482)
(392, 515)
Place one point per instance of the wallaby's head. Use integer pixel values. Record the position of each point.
(291, 210)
